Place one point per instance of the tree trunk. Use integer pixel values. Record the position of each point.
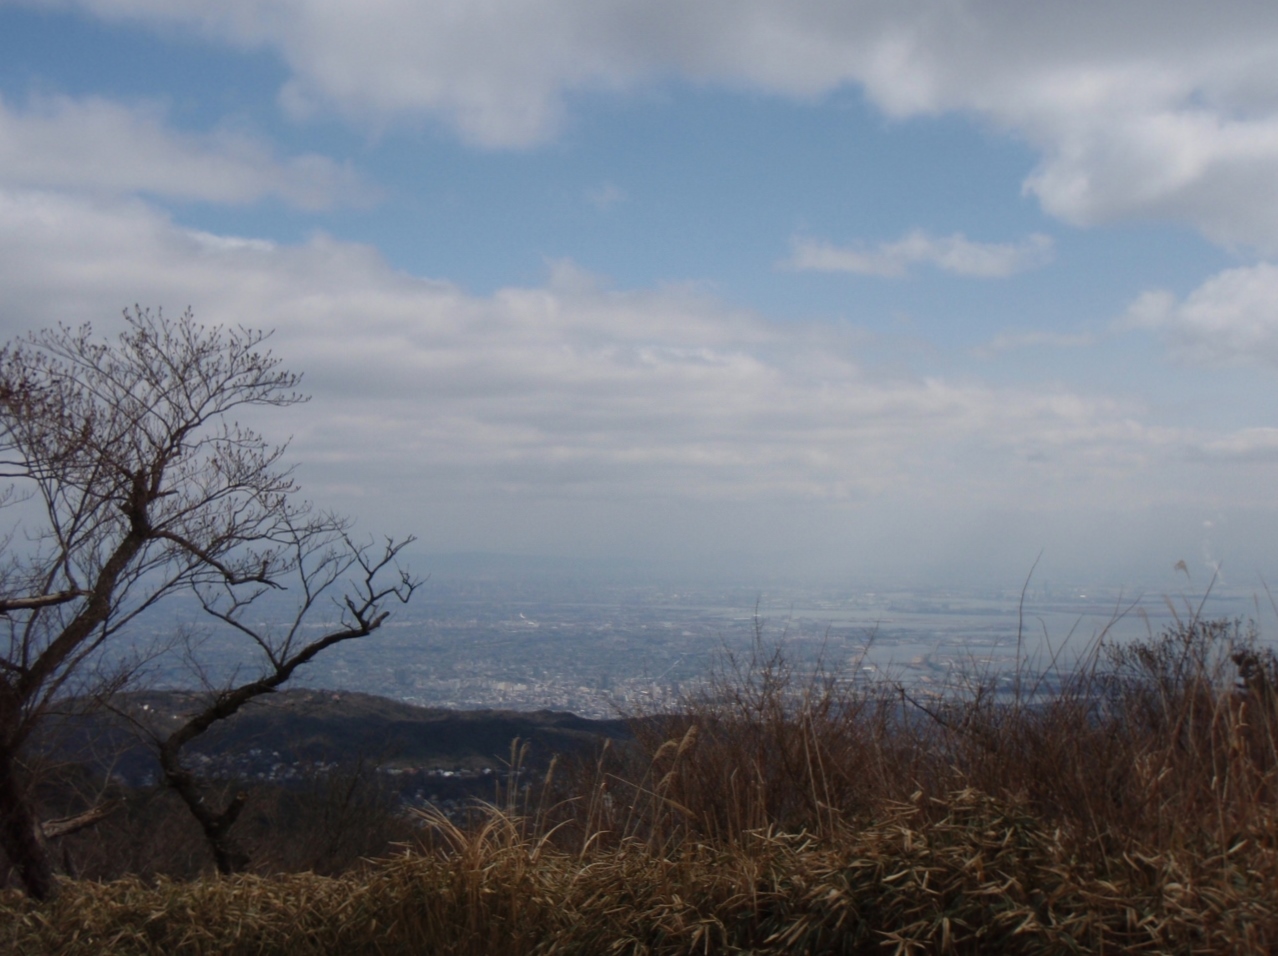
(227, 852)
(26, 852)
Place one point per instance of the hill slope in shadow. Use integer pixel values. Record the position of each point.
(307, 727)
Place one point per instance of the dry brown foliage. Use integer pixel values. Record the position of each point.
(1127, 805)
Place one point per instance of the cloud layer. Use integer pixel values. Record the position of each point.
(108, 147)
(1148, 109)
(575, 418)
(571, 389)
(955, 254)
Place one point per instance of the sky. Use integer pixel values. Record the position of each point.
(880, 292)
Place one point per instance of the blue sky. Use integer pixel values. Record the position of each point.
(856, 291)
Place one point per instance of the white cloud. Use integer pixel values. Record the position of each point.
(103, 146)
(1231, 318)
(1154, 142)
(955, 254)
(572, 390)
(1013, 340)
(576, 418)
(1244, 445)
(604, 196)
(1145, 108)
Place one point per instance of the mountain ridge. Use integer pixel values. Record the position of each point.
(319, 726)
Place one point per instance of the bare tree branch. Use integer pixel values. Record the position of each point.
(65, 826)
(137, 482)
(37, 601)
(365, 615)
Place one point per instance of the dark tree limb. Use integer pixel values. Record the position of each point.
(65, 826)
(364, 615)
(38, 601)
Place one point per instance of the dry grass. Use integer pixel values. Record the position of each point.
(1131, 809)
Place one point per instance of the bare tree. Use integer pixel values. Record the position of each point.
(131, 479)
(320, 559)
